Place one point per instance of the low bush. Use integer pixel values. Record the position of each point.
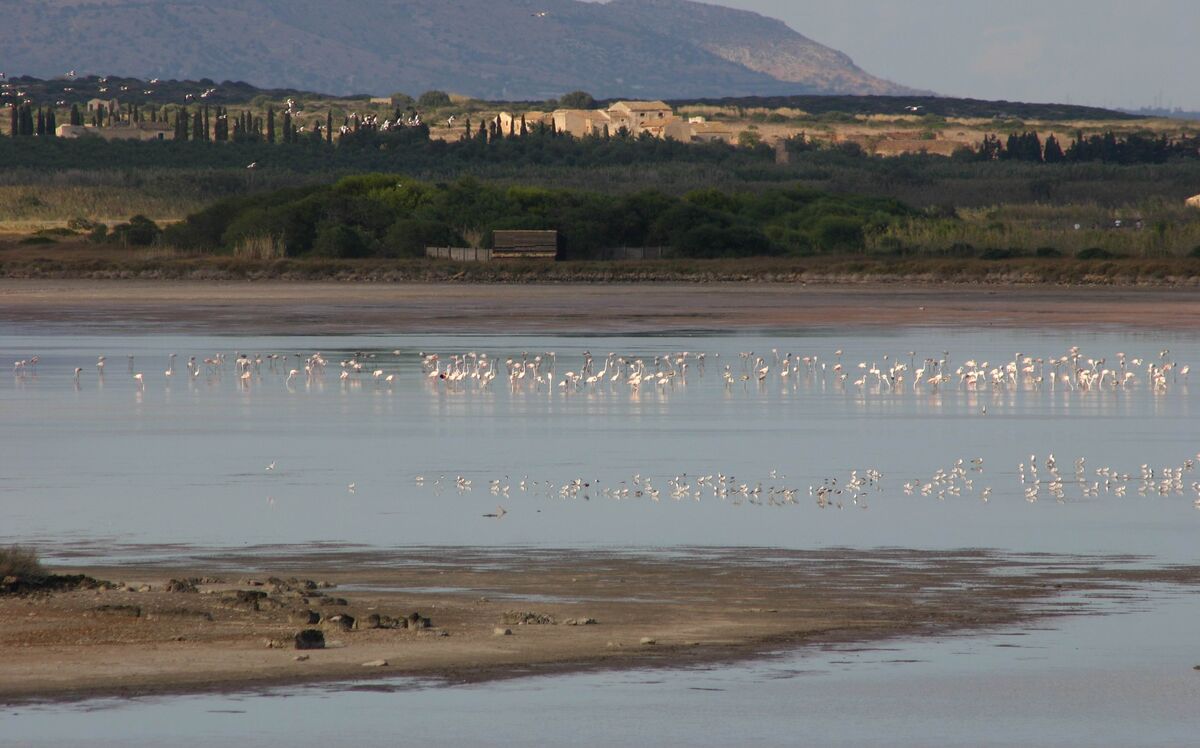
(16, 561)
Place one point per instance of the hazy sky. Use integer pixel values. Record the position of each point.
(1100, 52)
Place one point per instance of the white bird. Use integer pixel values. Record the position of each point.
(270, 467)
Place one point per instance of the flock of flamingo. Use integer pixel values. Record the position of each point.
(527, 373)
(854, 490)
(907, 373)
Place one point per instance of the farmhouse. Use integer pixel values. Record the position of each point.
(636, 115)
(108, 105)
(510, 123)
(633, 117)
(709, 132)
(583, 122)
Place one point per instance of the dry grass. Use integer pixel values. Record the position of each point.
(23, 563)
(45, 206)
(261, 248)
(1166, 230)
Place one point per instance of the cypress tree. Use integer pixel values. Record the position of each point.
(468, 135)
(329, 127)
(524, 129)
(270, 125)
(198, 126)
(1054, 151)
(27, 121)
(76, 119)
(207, 129)
(41, 122)
(287, 127)
(14, 122)
(51, 124)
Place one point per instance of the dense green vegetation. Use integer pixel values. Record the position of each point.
(382, 215)
(400, 149)
(1135, 148)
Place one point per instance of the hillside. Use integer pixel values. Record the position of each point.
(500, 49)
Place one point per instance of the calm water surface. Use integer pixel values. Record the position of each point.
(183, 461)
(109, 470)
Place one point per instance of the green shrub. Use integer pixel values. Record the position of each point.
(1195, 252)
(98, 234)
(33, 240)
(409, 237)
(577, 100)
(1094, 253)
(1048, 252)
(838, 234)
(340, 240)
(139, 232)
(434, 100)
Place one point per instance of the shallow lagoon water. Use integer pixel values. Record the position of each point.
(108, 472)
(183, 462)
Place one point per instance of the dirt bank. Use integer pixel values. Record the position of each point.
(566, 610)
(294, 308)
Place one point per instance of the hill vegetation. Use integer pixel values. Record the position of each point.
(514, 49)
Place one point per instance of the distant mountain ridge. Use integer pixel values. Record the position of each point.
(496, 49)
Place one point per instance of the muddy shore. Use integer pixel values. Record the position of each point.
(315, 308)
(229, 622)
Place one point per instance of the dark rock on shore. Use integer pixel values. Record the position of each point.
(527, 617)
(310, 639)
(17, 585)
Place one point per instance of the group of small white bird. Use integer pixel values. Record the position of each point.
(892, 375)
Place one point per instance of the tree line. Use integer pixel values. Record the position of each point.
(380, 215)
(1136, 148)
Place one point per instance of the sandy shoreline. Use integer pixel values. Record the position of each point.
(705, 606)
(316, 308)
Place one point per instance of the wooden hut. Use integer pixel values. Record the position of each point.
(531, 245)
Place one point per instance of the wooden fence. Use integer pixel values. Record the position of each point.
(631, 253)
(460, 254)
(473, 254)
